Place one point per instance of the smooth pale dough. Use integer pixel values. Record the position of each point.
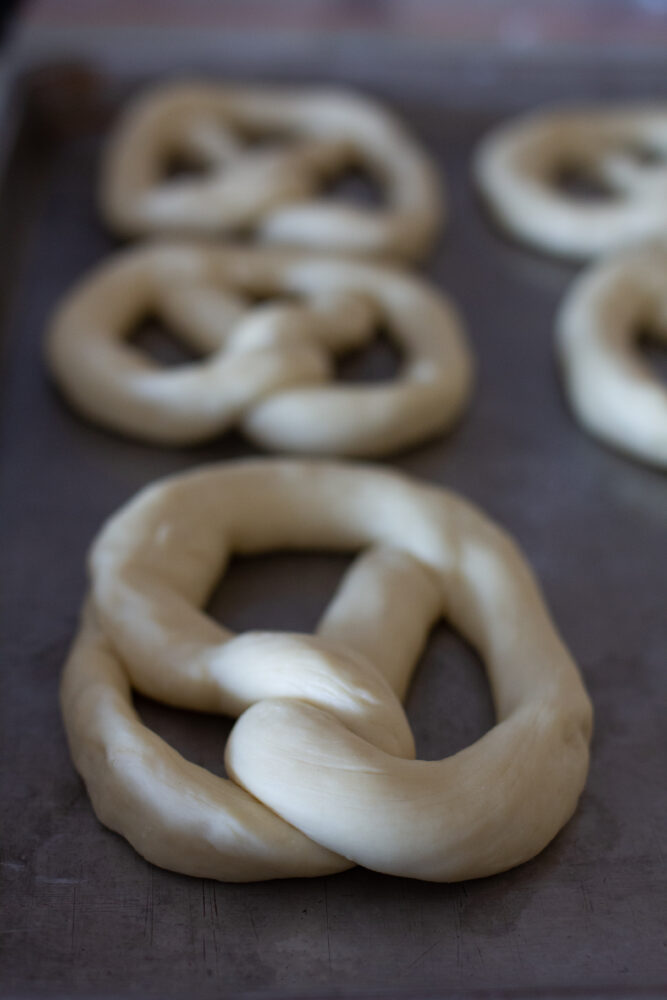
(612, 390)
(308, 137)
(622, 146)
(321, 760)
(267, 366)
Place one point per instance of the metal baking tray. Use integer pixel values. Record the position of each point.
(83, 915)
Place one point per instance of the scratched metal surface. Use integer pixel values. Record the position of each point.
(82, 914)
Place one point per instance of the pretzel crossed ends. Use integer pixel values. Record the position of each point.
(622, 152)
(321, 762)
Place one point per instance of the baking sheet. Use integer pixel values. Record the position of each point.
(82, 914)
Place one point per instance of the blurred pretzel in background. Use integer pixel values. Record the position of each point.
(267, 366)
(263, 157)
(579, 182)
(612, 390)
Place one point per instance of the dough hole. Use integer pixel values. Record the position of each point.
(378, 361)
(355, 187)
(181, 167)
(653, 345)
(200, 737)
(449, 673)
(161, 342)
(649, 156)
(581, 183)
(280, 592)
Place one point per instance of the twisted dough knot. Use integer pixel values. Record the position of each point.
(321, 758)
(267, 366)
(624, 149)
(310, 137)
(612, 390)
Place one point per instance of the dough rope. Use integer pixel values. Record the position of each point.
(622, 148)
(321, 760)
(612, 390)
(269, 191)
(268, 365)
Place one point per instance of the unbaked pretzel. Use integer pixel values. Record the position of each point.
(612, 390)
(322, 744)
(311, 136)
(268, 365)
(623, 147)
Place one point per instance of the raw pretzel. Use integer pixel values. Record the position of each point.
(624, 148)
(272, 190)
(268, 365)
(613, 392)
(322, 744)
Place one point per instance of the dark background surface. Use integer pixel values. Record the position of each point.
(82, 914)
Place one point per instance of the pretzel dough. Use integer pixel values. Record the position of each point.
(271, 190)
(613, 392)
(268, 365)
(322, 744)
(624, 148)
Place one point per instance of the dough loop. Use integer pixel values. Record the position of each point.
(270, 190)
(621, 151)
(611, 389)
(267, 365)
(321, 759)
